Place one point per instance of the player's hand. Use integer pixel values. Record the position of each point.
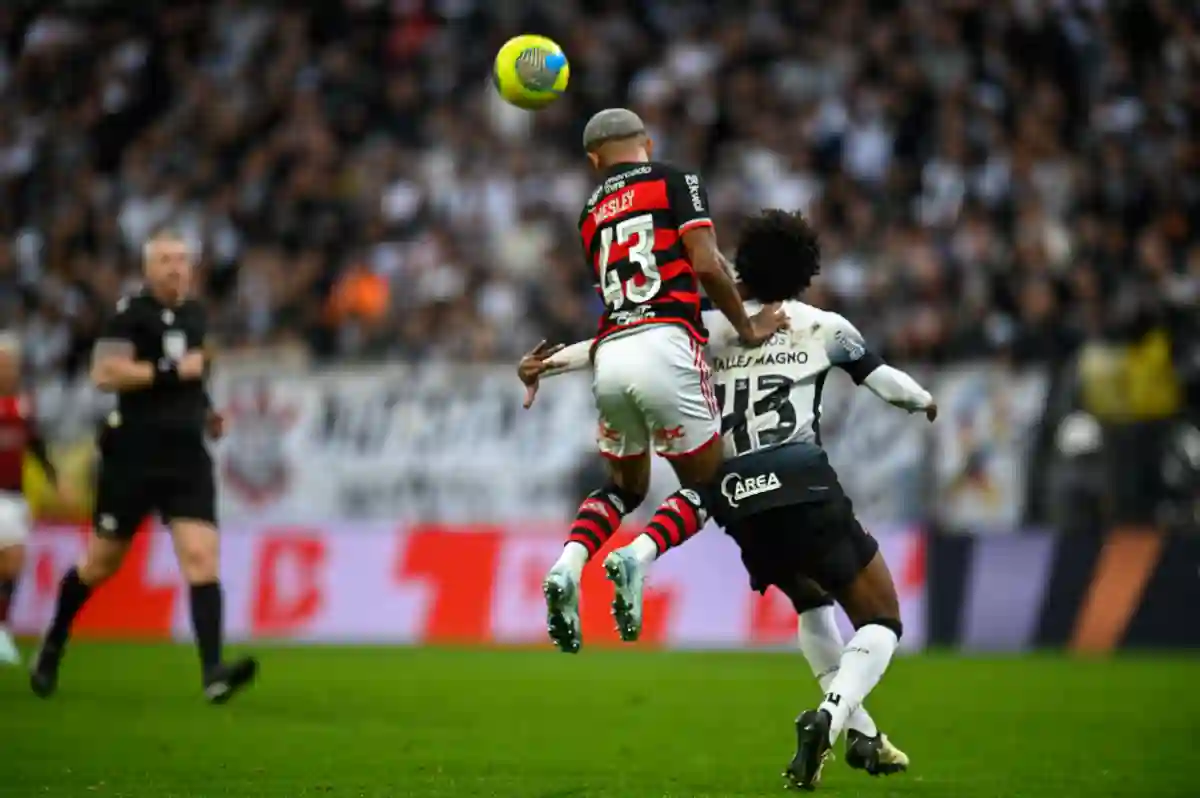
(765, 323)
(931, 412)
(191, 367)
(214, 425)
(533, 365)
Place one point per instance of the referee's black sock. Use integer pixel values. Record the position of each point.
(206, 621)
(7, 588)
(73, 593)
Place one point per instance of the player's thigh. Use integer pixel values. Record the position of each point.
(631, 474)
(871, 595)
(187, 502)
(806, 549)
(622, 433)
(676, 397)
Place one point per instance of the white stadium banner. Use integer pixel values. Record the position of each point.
(429, 443)
(453, 444)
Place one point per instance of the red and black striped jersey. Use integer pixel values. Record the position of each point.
(632, 228)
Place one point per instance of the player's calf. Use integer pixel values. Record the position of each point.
(870, 601)
(678, 519)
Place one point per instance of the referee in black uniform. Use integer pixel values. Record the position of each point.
(153, 459)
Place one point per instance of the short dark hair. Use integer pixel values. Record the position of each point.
(778, 255)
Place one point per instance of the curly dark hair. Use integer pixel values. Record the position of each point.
(778, 255)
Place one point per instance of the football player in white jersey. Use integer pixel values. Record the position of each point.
(781, 500)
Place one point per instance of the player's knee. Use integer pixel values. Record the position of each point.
(12, 559)
(626, 500)
(632, 478)
(97, 566)
(199, 563)
(806, 595)
(887, 622)
(197, 549)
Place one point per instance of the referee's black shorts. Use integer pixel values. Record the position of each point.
(139, 475)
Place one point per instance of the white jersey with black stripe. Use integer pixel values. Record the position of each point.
(771, 394)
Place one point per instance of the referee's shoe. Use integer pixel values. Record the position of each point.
(225, 680)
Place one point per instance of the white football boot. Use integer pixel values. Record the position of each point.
(561, 589)
(628, 575)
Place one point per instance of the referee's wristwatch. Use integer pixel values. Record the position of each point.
(166, 372)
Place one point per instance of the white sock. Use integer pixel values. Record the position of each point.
(863, 663)
(574, 556)
(644, 548)
(821, 644)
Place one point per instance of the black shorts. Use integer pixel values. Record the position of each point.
(795, 526)
(795, 546)
(133, 483)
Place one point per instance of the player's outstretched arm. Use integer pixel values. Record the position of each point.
(849, 352)
(898, 388)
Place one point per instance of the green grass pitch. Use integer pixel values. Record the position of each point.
(130, 721)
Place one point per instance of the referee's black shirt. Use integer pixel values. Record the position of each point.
(161, 413)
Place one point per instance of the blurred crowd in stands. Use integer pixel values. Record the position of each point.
(990, 177)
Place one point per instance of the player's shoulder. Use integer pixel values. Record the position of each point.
(842, 338)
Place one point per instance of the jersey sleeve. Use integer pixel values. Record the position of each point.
(847, 350)
(120, 325)
(689, 200)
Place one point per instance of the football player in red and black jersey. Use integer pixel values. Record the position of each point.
(18, 436)
(649, 241)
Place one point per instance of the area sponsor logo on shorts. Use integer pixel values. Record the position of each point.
(738, 488)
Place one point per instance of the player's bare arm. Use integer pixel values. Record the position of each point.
(713, 273)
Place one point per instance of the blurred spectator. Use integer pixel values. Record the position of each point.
(1008, 179)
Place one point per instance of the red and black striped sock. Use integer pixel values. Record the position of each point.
(678, 518)
(7, 588)
(600, 515)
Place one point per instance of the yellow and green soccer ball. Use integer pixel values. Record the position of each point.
(530, 71)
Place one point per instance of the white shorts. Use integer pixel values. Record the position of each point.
(653, 384)
(14, 519)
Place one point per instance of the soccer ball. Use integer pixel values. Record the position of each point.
(530, 71)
